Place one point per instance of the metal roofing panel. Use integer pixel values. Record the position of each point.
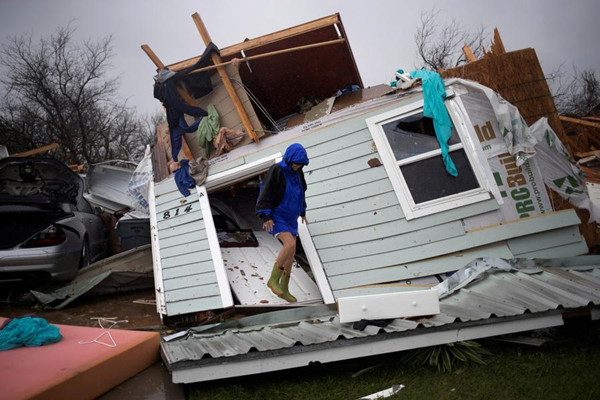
(503, 294)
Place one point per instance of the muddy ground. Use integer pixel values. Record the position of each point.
(137, 307)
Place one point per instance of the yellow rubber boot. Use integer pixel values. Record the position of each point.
(273, 282)
(283, 284)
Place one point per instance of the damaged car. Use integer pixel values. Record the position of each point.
(47, 229)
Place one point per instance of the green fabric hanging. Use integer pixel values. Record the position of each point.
(208, 128)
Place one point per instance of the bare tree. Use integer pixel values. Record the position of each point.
(56, 91)
(578, 96)
(439, 46)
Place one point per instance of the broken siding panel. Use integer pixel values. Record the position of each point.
(187, 267)
(193, 305)
(343, 182)
(225, 166)
(402, 226)
(568, 250)
(197, 279)
(349, 209)
(522, 227)
(544, 240)
(192, 293)
(350, 194)
(413, 270)
(358, 243)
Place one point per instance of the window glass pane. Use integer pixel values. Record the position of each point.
(428, 180)
(413, 135)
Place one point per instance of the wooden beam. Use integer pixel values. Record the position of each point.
(225, 78)
(469, 53)
(153, 57)
(581, 122)
(159, 65)
(263, 40)
(271, 53)
(499, 46)
(39, 150)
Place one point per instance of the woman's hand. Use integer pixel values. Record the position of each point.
(268, 225)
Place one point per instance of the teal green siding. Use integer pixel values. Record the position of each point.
(357, 225)
(188, 273)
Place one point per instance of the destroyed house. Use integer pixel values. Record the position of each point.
(385, 216)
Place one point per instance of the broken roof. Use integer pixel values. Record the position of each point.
(318, 71)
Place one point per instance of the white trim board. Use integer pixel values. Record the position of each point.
(215, 248)
(159, 289)
(288, 360)
(388, 305)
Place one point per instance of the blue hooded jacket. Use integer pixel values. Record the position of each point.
(282, 190)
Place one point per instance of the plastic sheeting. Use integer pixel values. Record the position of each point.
(560, 172)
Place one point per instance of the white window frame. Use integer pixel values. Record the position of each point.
(392, 166)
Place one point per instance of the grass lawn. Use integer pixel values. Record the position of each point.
(566, 367)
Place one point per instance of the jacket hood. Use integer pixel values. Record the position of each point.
(295, 153)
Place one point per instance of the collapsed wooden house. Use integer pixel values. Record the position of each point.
(384, 215)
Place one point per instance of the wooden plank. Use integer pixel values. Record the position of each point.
(389, 305)
(225, 78)
(189, 281)
(185, 202)
(469, 54)
(325, 148)
(171, 196)
(217, 169)
(196, 292)
(39, 150)
(372, 217)
(355, 207)
(178, 220)
(508, 230)
(346, 181)
(580, 122)
(263, 40)
(153, 57)
(182, 237)
(190, 306)
(378, 289)
(188, 269)
(569, 250)
(355, 220)
(186, 247)
(272, 53)
(350, 194)
(336, 170)
(183, 230)
(186, 259)
(166, 186)
(431, 266)
(544, 240)
(378, 241)
(341, 154)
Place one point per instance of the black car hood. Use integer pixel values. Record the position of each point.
(38, 180)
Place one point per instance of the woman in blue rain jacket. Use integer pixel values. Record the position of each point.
(280, 203)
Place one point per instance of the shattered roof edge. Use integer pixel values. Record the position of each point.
(266, 39)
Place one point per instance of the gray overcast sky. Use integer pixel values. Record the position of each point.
(380, 32)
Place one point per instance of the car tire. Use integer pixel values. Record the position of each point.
(84, 258)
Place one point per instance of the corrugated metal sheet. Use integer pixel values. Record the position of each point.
(499, 294)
